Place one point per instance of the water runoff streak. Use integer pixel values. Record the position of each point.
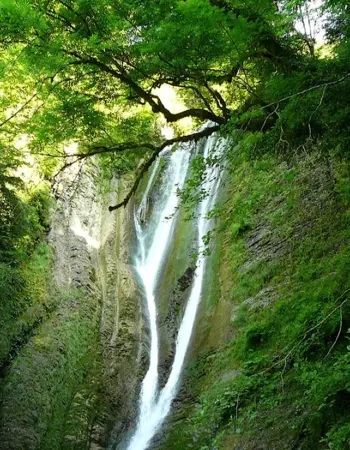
(154, 404)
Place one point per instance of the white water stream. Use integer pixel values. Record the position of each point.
(153, 243)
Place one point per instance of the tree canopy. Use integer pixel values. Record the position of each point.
(88, 71)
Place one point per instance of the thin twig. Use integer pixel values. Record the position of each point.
(18, 110)
(318, 86)
(315, 111)
(267, 117)
(285, 358)
(194, 137)
(339, 331)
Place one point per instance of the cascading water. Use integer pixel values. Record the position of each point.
(148, 265)
(154, 405)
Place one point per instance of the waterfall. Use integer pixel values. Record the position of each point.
(141, 212)
(148, 265)
(155, 405)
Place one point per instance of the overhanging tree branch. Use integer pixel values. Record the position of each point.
(98, 150)
(153, 100)
(194, 137)
(126, 146)
(18, 110)
(304, 91)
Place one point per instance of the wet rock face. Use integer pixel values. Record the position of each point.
(46, 376)
(186, 279)
(170, 325)
(92, 252)
(264, 298)
(74, 234)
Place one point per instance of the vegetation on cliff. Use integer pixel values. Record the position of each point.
(280, 376)
(81, 78)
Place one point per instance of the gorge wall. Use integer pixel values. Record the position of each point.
(268, 366)
(266, 332)
(75, 381)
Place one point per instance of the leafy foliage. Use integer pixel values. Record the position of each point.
(87, 73)
(284, 375)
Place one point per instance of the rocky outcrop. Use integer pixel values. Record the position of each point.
(77, 380)
(121, 326)
(93, 252)
(172, 321)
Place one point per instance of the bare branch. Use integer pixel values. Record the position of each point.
(315, 111)
(267, 117)
(188, 138)
(202, 75)
(251, 124)
(338, 335)
(63, 168)
(193, 88)
(98, 150)
(307, 333)
(318, 86)
(18, 110)
(154, 101)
